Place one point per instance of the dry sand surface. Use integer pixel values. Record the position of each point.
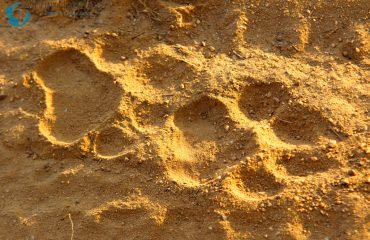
(185, 119)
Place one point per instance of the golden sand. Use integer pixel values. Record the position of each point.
(184, 119)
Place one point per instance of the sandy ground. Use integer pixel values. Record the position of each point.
(184, 119)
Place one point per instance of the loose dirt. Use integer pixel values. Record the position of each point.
(154, 119)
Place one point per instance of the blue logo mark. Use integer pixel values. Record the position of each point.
(13, 21)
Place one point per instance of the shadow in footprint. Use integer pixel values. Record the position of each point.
(202, 119)
(259, 181)
(260, 101)
(297, 124)
(112, 141)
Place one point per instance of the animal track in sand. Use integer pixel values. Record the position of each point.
(112, 141)
(79, 97)
(253, 182)
(202, 119)
(297, 124)
(292, 122)
(205, 141)
(260, 101)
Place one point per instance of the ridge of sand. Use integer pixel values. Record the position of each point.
(186, 120)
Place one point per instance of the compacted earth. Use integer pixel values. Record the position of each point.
(185, 119)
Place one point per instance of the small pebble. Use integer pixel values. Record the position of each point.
(361, 128)
(2, 96)
(227, 128)
(344, 182)
(351, 172)
(332, 143)
(279, 38)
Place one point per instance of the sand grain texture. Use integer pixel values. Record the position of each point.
(186, 120)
